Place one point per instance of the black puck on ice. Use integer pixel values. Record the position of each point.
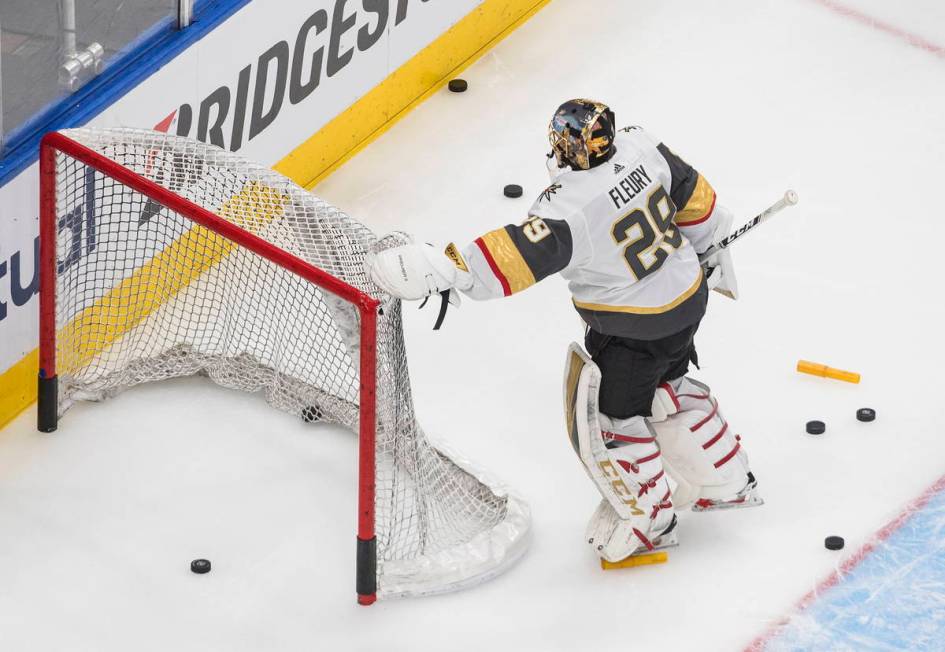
(865, 414)
(311, 414)
(833, 543)
(458, 85)
(816, 427)
(512, 190)
(200, 566)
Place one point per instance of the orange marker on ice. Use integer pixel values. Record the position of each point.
(815, 369)
(635, 560)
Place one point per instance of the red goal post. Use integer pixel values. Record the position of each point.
(47, 406)
(443, 524)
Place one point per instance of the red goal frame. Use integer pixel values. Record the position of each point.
(47, 410)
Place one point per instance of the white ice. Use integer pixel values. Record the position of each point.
(98, 522)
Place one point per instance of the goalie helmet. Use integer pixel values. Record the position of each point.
(582, 134)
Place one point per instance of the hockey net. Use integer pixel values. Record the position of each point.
(164, 257)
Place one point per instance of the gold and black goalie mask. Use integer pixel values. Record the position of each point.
(581, 133)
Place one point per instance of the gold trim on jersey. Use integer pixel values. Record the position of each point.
(509, 260)
(644, 310)
(699, 205)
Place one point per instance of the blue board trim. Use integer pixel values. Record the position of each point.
(135, 63)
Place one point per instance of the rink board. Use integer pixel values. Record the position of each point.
(347, 113)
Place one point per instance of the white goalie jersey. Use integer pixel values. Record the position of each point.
(626, 234)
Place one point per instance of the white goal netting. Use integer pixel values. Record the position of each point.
(143, 293)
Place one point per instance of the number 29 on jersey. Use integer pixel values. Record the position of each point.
(648, 235)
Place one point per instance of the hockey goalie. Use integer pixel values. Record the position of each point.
(624, 221)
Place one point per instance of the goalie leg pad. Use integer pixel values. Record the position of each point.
(622, 459)
(701, 452)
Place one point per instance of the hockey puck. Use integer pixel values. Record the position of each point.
(865, 414)
(833, 543)
(512, 190)
(816, 427)
(458, 85)
(200, 566)
(311, 414)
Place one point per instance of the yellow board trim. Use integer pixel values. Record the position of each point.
(509, 260)
(699, 204)
(18, 387)
(381, 107)
(160, 279)
(348, 133)
(142, 293)
(644, 310)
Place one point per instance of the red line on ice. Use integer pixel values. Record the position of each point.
(912, 39)
(849, 564)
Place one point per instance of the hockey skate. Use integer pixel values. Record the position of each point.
(747, 497)
(645, 557)
(667, 539)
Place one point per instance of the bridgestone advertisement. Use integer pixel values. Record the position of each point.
(303, 64)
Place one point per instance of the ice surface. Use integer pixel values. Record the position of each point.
(98, 522)
(890, 595)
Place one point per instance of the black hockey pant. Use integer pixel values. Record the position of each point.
(631, 370)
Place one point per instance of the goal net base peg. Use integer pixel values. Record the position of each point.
(366, 578)
(47, 418)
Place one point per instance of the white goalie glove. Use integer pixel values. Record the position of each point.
(721, 270)
(414, 271)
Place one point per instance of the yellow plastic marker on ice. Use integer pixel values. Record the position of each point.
(635, 560)
(815, 369)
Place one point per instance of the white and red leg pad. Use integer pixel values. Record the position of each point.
(701, 452)
(622, 459)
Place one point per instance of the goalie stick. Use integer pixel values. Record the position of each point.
(789, 199)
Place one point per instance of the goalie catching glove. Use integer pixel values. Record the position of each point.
(412, 271)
